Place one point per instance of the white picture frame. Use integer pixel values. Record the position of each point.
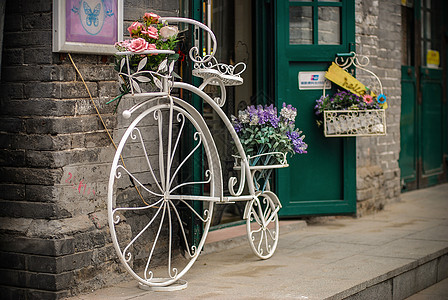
(87, 26)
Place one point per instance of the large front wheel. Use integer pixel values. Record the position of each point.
(164, 180)
(262, 224)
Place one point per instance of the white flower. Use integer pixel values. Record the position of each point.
(167, 32)
(254, 120)
(288, 113)
(243, 115)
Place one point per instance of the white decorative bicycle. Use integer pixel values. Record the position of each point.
(153, 193)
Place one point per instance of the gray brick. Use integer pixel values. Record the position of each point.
(24, 6)
(40, 73)
(86, 107)
(13, 21)
(55, 159)
(51, 247)
(9, 260)
(13, 293)
(77, 140)
(30, 175)
(89, 240)
(40, 159)
(38, 21)
(41, 193)
(35, 210)
(47, 295)
(12, 191)
(12, 125)
(38, 55)
(49, 264)
(97, 139)
(64, 125)
(12, 158)
(27, 38)
(34, 142)
(52, 282)
(39, 107)
(60, 90)
(12, 57)
(107, 91)
(11, 91)
(97, 73)
(80, 59)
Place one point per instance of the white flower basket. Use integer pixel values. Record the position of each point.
(339, 123)
(264, 161)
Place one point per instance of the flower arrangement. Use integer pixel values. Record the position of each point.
(146, 34)
(262, 130)
(345, 100)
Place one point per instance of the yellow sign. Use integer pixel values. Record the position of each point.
(433, 59)
(345, 80)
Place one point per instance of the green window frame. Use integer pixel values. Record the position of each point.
(315, 51)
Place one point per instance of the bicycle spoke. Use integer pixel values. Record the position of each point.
(147, 158)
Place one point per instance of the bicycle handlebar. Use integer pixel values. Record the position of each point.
(194, 51)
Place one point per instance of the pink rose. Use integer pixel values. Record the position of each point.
(151, 47)
(135, 28)
(151, 32)
(138, 45)
(151, 18)
(122, 45)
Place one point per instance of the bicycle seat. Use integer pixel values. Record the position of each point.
(213, 69)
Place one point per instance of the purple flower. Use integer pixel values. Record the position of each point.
(253, 115)
(298, 145)
(270, 113)
(236, 123)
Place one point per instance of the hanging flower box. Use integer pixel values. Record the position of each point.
(347, 114)
(338, 123)
(357, 110)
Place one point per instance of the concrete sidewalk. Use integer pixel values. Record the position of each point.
(389, 255)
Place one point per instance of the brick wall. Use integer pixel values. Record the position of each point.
(378, 35)
(55, 158)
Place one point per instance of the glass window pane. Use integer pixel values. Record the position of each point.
(428, 25)
(329, 24)
(329, 0)
(300, 25)
(301, 1)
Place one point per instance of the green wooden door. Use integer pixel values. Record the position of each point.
(424, 122)
(432, 128)
(309, 34)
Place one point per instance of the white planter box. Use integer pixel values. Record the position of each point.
(339, 123)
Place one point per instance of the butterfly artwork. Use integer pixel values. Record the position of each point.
(92, 14)
(91, 17)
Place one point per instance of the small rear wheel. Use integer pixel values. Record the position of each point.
(262, 224)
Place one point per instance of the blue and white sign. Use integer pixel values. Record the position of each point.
(313, 81)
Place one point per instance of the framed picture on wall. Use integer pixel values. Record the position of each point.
(87, 26)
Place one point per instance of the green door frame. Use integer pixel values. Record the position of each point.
(286, 53)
